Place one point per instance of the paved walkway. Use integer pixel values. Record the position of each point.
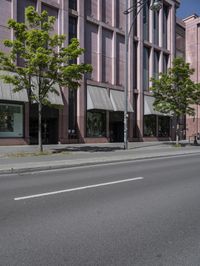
(12, 159)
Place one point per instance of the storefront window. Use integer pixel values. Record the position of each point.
(149, 125)
(11, 120)
(96, 124)
(163, 126)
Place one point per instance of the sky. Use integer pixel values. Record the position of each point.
(188, 7)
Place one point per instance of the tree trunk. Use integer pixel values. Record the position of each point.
(40, 127)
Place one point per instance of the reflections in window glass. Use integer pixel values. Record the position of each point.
(11, 120)
(96, 124)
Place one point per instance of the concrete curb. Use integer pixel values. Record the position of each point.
(95, 161)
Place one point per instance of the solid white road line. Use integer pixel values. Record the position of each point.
(78, 188)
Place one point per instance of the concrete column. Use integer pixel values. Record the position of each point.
(26, 123)
(13, 14)
(81, 92)
(161, 27)
(151, 64)
(172, 32)
(63, 25)
(140, 103)
(161, 63)
(39, 6)
(99, 11)
(114, 58)
(114, 13)
(151, 17)
(131, 23)
(107, 125)
(99, 59)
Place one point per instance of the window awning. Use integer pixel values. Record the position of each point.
(97, 98)
(53, 98)
(149, 108)
(117, 99)
(7, 93)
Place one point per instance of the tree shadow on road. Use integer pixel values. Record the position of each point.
(87, 149)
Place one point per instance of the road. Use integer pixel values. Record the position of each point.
(143, 212)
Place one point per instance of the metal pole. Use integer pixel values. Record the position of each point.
(126, 84)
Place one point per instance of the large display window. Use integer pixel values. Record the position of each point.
(96, 124)
(11, 120)
(156, 126)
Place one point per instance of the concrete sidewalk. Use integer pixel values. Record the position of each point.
(67, 156)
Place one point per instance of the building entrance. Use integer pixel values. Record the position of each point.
(50, 118)
(116, 126)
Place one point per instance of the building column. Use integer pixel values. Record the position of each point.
(63, 23)
(99, 55)
(82, 90)
(140, 99)
(172, 32)
(26, 123)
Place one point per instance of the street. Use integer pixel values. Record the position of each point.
(144, 212)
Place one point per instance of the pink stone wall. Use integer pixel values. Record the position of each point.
(107, 55)
(91, 47)
(91, 8)
(120, 17)
(5, 33)
(107, 11)
(21, 5)
(120, 59)
(52, 12)
(193, 57)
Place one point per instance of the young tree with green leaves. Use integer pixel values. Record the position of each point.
(47, 61)
(175, 92)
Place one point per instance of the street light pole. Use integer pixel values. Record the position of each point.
(138, 6)
(126, 84)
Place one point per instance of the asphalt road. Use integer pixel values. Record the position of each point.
(136, 213)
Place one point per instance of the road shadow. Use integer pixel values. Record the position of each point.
(87, 149)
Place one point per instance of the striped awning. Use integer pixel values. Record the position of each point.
(117, 99)
(53, 98)
(97, 98)
(7, 93)
(149, 108)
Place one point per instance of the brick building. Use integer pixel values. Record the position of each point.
(94, 113)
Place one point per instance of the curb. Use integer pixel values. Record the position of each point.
(102, 161)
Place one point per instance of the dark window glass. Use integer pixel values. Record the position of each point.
(72, 32)
(21, 5)
(146, 21)
(165, 19)
(156, 64)
(146, 69)
(163, 126)
(73, 4)
(72, 111)
(96, 124)
(156, 27)
(11, 120)
(72, 93)
(150, 125)
(165, 63)
(72, 28)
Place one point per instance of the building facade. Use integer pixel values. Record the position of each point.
(94, 113)
(192, 27)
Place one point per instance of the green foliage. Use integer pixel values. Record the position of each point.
(46, 59)
(174, 91)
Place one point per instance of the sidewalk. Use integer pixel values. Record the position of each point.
(65, 156)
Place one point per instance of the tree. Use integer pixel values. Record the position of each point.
(47, 61)
(175, 92)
